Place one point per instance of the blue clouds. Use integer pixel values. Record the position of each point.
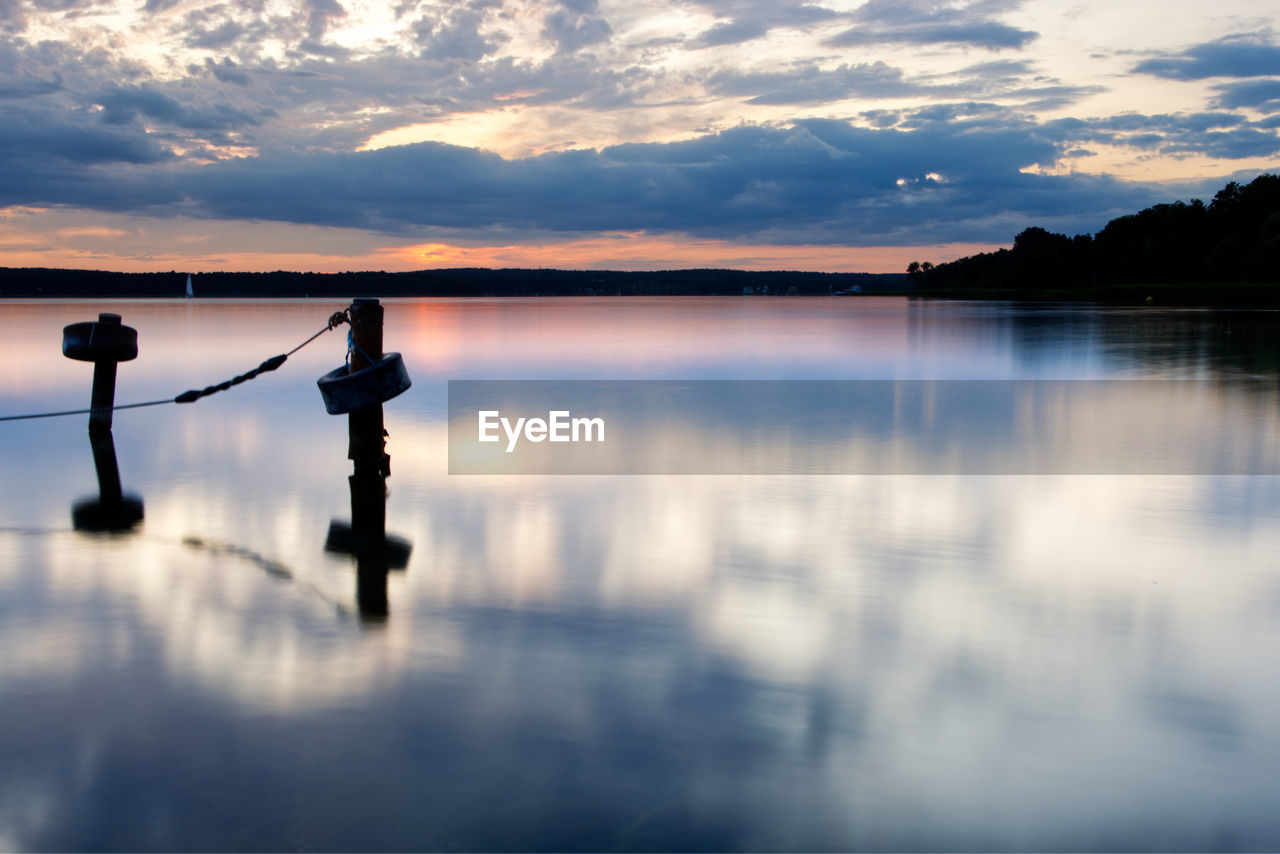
(810, 83)
(1234, 56)
(576, 25)
(1217, 134)
(733, 32)
(265, 117)
(817, 182)
(124, 104)
(746, 20)
(1258, 94)
(1253, 63)
(921, 22)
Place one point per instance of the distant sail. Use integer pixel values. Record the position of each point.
(190, 293)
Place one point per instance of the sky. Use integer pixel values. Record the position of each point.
(333, 135)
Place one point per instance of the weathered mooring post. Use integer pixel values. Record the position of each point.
(367, 447)
(105, 342)
(359, 390)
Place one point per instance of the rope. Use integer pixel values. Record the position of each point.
(83, 411)
(335, 320)
(352, 345)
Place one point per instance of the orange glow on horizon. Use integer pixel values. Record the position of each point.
(130, 249)
(634, 251)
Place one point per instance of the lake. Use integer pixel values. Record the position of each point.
(928, 657)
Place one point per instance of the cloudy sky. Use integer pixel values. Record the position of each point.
(832, 135)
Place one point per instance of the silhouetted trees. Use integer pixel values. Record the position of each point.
(1234, 238)
(465, 282)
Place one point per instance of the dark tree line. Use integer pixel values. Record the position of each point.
(1233, 238)
(471, 282)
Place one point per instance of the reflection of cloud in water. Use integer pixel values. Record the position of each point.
(986, 427)
(882, 662)
(266, 640)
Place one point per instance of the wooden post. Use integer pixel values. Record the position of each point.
(103, 397)
(366, 537)
(366, 332)
(371, 465)
(365, 430)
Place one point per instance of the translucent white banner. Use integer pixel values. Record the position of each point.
(864, 427)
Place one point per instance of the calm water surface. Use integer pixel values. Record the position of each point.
(630, 662)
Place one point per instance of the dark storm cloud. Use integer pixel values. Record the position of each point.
(50, 156)
(1258, 94)
(28, 87)
(224, 34)
(806, 83)
(745, 20)
(732, 32)
(1218, 134)
(575, 25)
(319, 13)
(56, 141)
(12, 14)
(453, 32)
(937, 113)
(923, 22)
(817, 182)
(1234, 56)
(809, 84)
(124, 104)
(1000, 68)
(226, 71)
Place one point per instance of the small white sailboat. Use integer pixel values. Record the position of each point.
(190, 292)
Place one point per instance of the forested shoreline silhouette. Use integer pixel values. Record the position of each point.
(1224, 252)
(1229, 244)
(466, 282)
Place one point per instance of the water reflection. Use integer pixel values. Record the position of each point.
(366, 539)
(864, 427)
(636, 663)
(112, 511)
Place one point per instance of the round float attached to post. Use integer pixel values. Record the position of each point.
(347, 392)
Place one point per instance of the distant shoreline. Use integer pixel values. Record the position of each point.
(463, 282)
(51, 283)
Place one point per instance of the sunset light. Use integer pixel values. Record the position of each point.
(536, 132)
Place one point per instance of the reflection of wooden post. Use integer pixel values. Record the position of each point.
(369, 508)
(104, 461)
(112, 511)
